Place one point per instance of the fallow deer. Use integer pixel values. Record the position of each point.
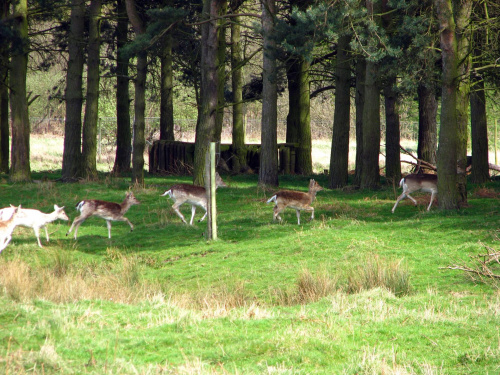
(7, 227)
(297, 200)
(35, 219)
(109, 211)
(418, 181)
(194, 195)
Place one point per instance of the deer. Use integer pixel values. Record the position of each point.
(194, 195)
(109, 211)
(297, 200)
(417, 181)
(35, 219)
(7, 227)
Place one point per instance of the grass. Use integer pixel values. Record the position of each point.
(359, 290)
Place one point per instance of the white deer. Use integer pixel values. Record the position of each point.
(297, 200)
(7, 227)
(418, 181)
(194, 195)
(109, 211)
(35, 219)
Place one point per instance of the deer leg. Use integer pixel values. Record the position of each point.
(433, 194)
(46, 233)
(37, 234)
(76, 223)
(108, 223)
(401, 197)
(298, 216)
(276, 212)
(176, 209)
(193, 212)
(204, 216)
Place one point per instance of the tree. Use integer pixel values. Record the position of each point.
(339, 160)
(139, 141)
(448, 135)
(427, 123)
(221, 67)
(4, 98)
(392, 132)
(238, 135)
(359, 99)
(123, 132)
(268, 171)
(89, 137)
(20, 153)
(205, 129)
(167, 90)
(73, 125)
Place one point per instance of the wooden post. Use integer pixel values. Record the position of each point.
(213, 205)
(496, 123)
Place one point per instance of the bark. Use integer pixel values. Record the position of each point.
(392, 132)
(448, 135)
(479, 133)
(221, 68)
(167, 90)
(360, 103)
(205, 129)
(20, 148)
(268, 171)
(427, 124)
(238, 136)
(73, 125)
(462, 18)
(123, 131)
(4, 99)
(139, 141)
(370, 176)
(90, 123)
(339, 159)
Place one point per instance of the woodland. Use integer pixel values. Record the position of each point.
(443, 54)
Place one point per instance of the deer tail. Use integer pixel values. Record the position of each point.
(168, 192)
(79, 206)
(272, 199)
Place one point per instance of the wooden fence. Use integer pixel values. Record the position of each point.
(174, 157)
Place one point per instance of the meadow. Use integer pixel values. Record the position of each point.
(359, 290)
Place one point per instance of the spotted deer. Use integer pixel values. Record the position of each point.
(7, 227)
(35, 219)
(297, 200)
(417, 181)
(194, 195)
(109, 211)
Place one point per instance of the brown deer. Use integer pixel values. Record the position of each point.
(297, 200)
(109, 211)
(194, 195)
(417, 181)
(7, 227)
(35, 219)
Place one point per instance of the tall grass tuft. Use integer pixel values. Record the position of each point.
(379, 272)
(311, 288)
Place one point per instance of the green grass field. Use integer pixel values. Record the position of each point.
(356, 291)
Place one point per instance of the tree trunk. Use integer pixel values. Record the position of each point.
(448, 135)
(205, 130)
(370, 176)
(463, 35)
(167, 90)
(392, 132)
(479, 133)
(360, 104)
(4, 99)
(89, 138)
(20, 152)
(339, 159)
(427, 124)
(239, 162)
(221, 68)
(268, 171)
(123, 131)
(139, 141)
(73, 125)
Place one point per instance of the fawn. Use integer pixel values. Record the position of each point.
(417, 181)
(7, 227)
(297, 200)
(193, 195)
(109, 211)
(35, 219)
